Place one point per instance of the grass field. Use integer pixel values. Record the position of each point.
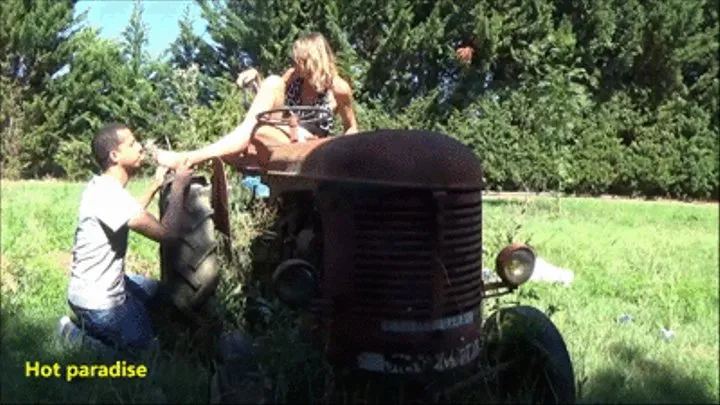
(656, 262)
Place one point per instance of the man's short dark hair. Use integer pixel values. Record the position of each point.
(105, 141)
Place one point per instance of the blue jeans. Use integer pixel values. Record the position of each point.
(126, 326)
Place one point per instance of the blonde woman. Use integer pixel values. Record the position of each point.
(312, 81)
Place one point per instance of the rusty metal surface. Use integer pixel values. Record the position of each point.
(401, 267)
(273, 151)
(400, 158)
(400, 216)
(287, 159)
(407, 267)
(339, 238)
(411, 348)
(280, 185)
(219, 198)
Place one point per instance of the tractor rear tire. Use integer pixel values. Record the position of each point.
(190, 268)
(530, 356)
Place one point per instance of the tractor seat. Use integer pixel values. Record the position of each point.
(269, 154)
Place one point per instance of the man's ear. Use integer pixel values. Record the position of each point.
(113, 157)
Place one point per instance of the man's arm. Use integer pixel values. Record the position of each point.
(167, 230)
(157, 180)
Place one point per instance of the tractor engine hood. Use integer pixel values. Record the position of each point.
(394, 158)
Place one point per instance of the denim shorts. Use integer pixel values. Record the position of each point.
(126, 326)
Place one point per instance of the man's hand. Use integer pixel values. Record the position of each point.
(183, 174)
(167, 230)
(146, 198)
(159, 176)
(184, 169)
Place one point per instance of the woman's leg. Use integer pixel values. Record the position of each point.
(271, 95)
(280, 134)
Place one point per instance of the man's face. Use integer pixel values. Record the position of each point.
(129, 153)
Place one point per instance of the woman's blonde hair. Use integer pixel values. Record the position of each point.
(313, 52)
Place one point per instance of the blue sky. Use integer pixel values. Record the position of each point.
(160, 16)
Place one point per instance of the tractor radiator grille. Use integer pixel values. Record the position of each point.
(418, 256)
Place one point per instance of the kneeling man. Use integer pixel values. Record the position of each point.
(112, 306)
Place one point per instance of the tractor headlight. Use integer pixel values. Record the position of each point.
(294, 283)
(515, 264)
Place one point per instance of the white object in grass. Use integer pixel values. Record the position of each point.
(667, 334)
(549, 273)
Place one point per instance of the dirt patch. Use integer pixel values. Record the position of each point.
(136, 265)
(64, 261)
(133, 264)
(9, 281)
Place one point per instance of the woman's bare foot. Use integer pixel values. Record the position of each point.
(169, 159)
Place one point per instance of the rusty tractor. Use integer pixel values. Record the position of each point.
(381, 242)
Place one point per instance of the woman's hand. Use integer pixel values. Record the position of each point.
(248, 77)
(465, 54)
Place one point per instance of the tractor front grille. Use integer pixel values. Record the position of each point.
(417, 255)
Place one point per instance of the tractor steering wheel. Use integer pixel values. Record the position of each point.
(308, 115)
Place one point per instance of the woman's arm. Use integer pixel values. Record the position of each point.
(343, 97)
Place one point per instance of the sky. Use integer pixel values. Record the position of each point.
(160, 16)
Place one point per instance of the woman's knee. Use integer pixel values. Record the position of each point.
(272, 82)
(269, 95)
(271, 134)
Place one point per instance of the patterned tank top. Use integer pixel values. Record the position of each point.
(292, 98)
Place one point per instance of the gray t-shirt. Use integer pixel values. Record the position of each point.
(101, 238)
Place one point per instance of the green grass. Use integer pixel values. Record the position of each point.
(657, 262)
(38, 223)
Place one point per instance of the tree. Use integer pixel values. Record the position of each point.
(135, 38)
(251, 33)
(35, 45)
(589, 95)
(140, 101)
(95, 90)
(107, 80)
(189, 50)
(34, 40)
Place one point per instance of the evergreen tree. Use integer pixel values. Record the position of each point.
(34, 40)
(95, 90)
(135, 38)
(107, 81)
(35, 45)
(187, 49)
(588, 95)
(140, 93)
